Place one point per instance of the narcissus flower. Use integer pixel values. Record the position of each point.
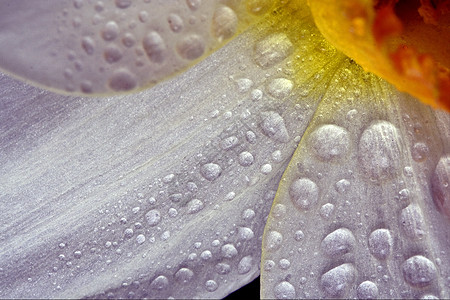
(297, 146)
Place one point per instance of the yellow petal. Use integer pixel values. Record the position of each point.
(395, 40)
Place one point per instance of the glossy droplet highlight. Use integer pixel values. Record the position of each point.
(224, 23)
(191, 47)
(272, 50)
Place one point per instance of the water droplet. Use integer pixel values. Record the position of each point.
(191, 47)
(273, 240)
(273, 126)
(206, 255)
(229, 251)
(194, 206)
(246, 159)
(272, 50)
(326, 210)
(380, 150)
(245, 234)
(337, 281)
(88, 45)
(122, 80)
(258, 7)
(143, 16)
(245, 264)
(284, 264)
(112, 54)
(160, 283)
(420, 152)
(244, 85)
(194, 4)
(140, 239)
(284, 290)
(256, 94)
(184, 275)
(280, 88)
(266, 169)
(268, 265)
(412, 221)
(367, 290)
(210, 171)
(110, 31)
(123, 3)
(77, 254)
(440, 185)
(224, 23)
(128, 233)
(175, 22)
(278, 211)
(229, 143)
(338, 242)
(250, 136)
(248, 214)
(330, 142)
(172, 212)
(419, 271)
(153, 217)
(230, 196)
(299, 235)
(128, 40)
(304, 193)
(223, 268)
(211, 285)
(380, 243)
(154, 47)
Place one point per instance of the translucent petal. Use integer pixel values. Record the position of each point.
(362, 209)
(101, 47)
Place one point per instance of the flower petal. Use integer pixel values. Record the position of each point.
(162, 193)
(101, 47)
(394, 40)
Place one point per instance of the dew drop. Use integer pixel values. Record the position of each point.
(412, 221)
(123, 3)
(330, 142)
(128, 40)
(194, 4)
(210, 171)
(304, 193)
(380, 243)
(367, 290)
(224, 23)
(154, 47)
(380, 150)
(194, 206)
(419, 271)
(184, 275)
(211, 285)
(175, 22)
(280, 88)
(440, 185)
(140, 239)
(274, 240)
(338, 280)
(191, 47)
(153, 217)
(112, 54)
(272, 50)
(229, 143)
(420, 152)
(246, 159)
(245, 265)
(88, 45)
(122, 80)
(160, 283)
(284, 290)
(229, 251)
(273, 126)
(338, 242)
(110, 31)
